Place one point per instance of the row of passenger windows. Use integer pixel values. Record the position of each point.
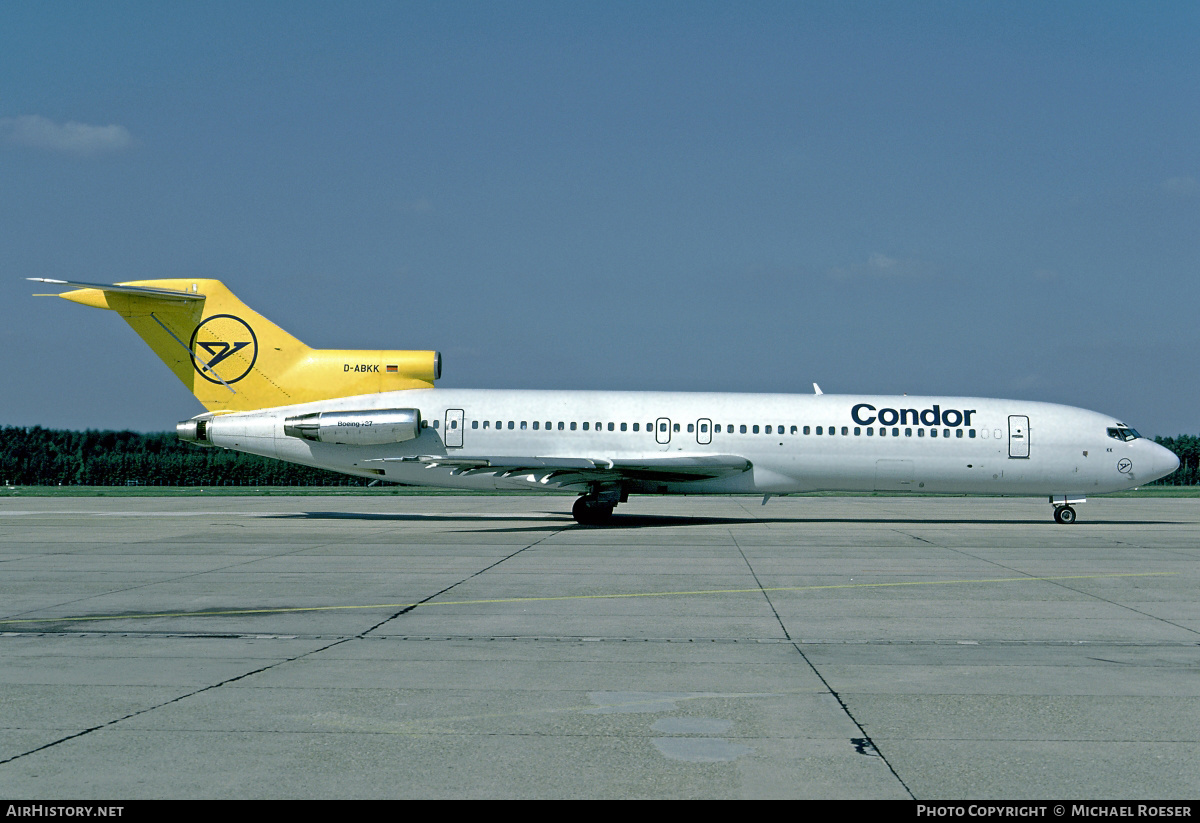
(718, 428)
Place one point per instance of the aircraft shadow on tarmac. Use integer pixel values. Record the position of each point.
(553, 520)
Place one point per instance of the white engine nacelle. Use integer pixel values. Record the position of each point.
(356, 428)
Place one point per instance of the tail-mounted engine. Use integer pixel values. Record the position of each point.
(356, 428)
(194, 431)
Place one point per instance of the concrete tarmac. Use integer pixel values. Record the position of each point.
(401, 646)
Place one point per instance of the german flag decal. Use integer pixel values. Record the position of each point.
(393, 369)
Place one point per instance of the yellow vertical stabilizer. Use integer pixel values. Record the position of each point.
(234, 359)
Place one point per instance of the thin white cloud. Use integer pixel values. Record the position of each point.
(35, 131)
(1181, 186)
(420, 206)
(881, 266)
(881, 262)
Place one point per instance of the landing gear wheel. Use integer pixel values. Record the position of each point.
(589, 512)
(1064, 514)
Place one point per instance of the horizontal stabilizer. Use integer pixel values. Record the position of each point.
(168, 294)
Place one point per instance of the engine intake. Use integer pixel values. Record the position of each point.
(376, 427)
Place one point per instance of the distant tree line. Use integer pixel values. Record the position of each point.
(49, 457)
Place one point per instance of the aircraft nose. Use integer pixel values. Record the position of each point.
(1165, 461)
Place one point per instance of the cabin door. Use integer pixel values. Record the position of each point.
(662, 430)
(703, 431)
(1018, 435)
(452, 434)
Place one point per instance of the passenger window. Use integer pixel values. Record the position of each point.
(524, 425)
(511, 425)
(806, 431)
(572, 425)
(743, 427)
(833, 429)
(983, 433)
(895, 432)
(435, 423)
(635, 426)
(933, 432)
(474, 424)
(535, 425)
(560, 425)
(857, 431)
(958, 433)
(768, 430)
(611, 427)
(793, 429)
(820, 430)
(756, 429)
(971, 434)
(624, 427)
(920, 432)
(585, 425)
(945, 432)
(908, 432)
(676, 427)
(996, 433)
(845, 431)
(870, 431)
(703, 428)
(485, 423)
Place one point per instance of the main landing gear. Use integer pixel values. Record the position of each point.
(590, 512)
(596, 507)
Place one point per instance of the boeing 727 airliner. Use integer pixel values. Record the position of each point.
(376, 414)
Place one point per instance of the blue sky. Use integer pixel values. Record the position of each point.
(994, 199)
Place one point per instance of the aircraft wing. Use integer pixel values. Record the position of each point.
(564, 471)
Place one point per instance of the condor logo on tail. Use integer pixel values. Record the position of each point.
(221, 352)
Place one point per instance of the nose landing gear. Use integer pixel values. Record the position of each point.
(1063, 513)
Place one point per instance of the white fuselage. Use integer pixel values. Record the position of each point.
(792, 443)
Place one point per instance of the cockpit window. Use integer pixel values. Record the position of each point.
(1123, 434)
